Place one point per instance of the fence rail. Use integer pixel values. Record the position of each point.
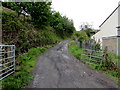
(100, 58)
(7, 60)
(94, 56)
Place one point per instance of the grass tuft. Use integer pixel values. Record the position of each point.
(24, 66)
(77, 52)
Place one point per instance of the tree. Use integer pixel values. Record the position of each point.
(88, 29)
(85, 26)
(62, 24)
(8, 4)
(40, 12)
(42, 15)
(19, 7)
(68, 25)
(81, 35)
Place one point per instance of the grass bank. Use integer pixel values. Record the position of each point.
(24, 66)
(23, 34)
(77, 52)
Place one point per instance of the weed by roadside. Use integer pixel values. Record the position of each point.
(24, 66)
(77, 52)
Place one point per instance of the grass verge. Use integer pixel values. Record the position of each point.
(24, 66)
(77, 52)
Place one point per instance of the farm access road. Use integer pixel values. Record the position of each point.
(57, 68)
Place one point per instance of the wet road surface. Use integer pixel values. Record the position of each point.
(57, 68)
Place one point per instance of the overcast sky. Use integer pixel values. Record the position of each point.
(91, 11)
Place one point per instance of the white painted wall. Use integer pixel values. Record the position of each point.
(119, 15)
(108, 28)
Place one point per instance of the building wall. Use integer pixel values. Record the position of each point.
(119, 14)
(108, 28)
(119, 46)
(110, 32)
(111, 44)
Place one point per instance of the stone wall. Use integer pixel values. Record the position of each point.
(111, 44)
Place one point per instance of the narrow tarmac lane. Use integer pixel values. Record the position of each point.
(57, 68)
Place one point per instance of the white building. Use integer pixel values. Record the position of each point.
(109, 34)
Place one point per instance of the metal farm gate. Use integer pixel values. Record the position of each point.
(7, 60)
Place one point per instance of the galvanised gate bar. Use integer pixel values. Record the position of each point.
(7, 60)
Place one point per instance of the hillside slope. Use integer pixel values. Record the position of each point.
(23, 34)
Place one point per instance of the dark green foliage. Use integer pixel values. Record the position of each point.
(24, 35)
(40, 12)
(97, 47)
(9, 4)
(17, 6)
(63, 26)
(41, 17)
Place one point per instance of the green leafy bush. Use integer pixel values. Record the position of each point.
(24, 35)
(114, 58)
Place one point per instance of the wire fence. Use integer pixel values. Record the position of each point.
(7, 60)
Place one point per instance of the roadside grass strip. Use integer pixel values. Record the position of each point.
(24, 66)
(93, 62)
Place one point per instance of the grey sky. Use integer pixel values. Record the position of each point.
(91, 11)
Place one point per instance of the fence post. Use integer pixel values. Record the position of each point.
(105, 55)
(90, 56)
(14, 56)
